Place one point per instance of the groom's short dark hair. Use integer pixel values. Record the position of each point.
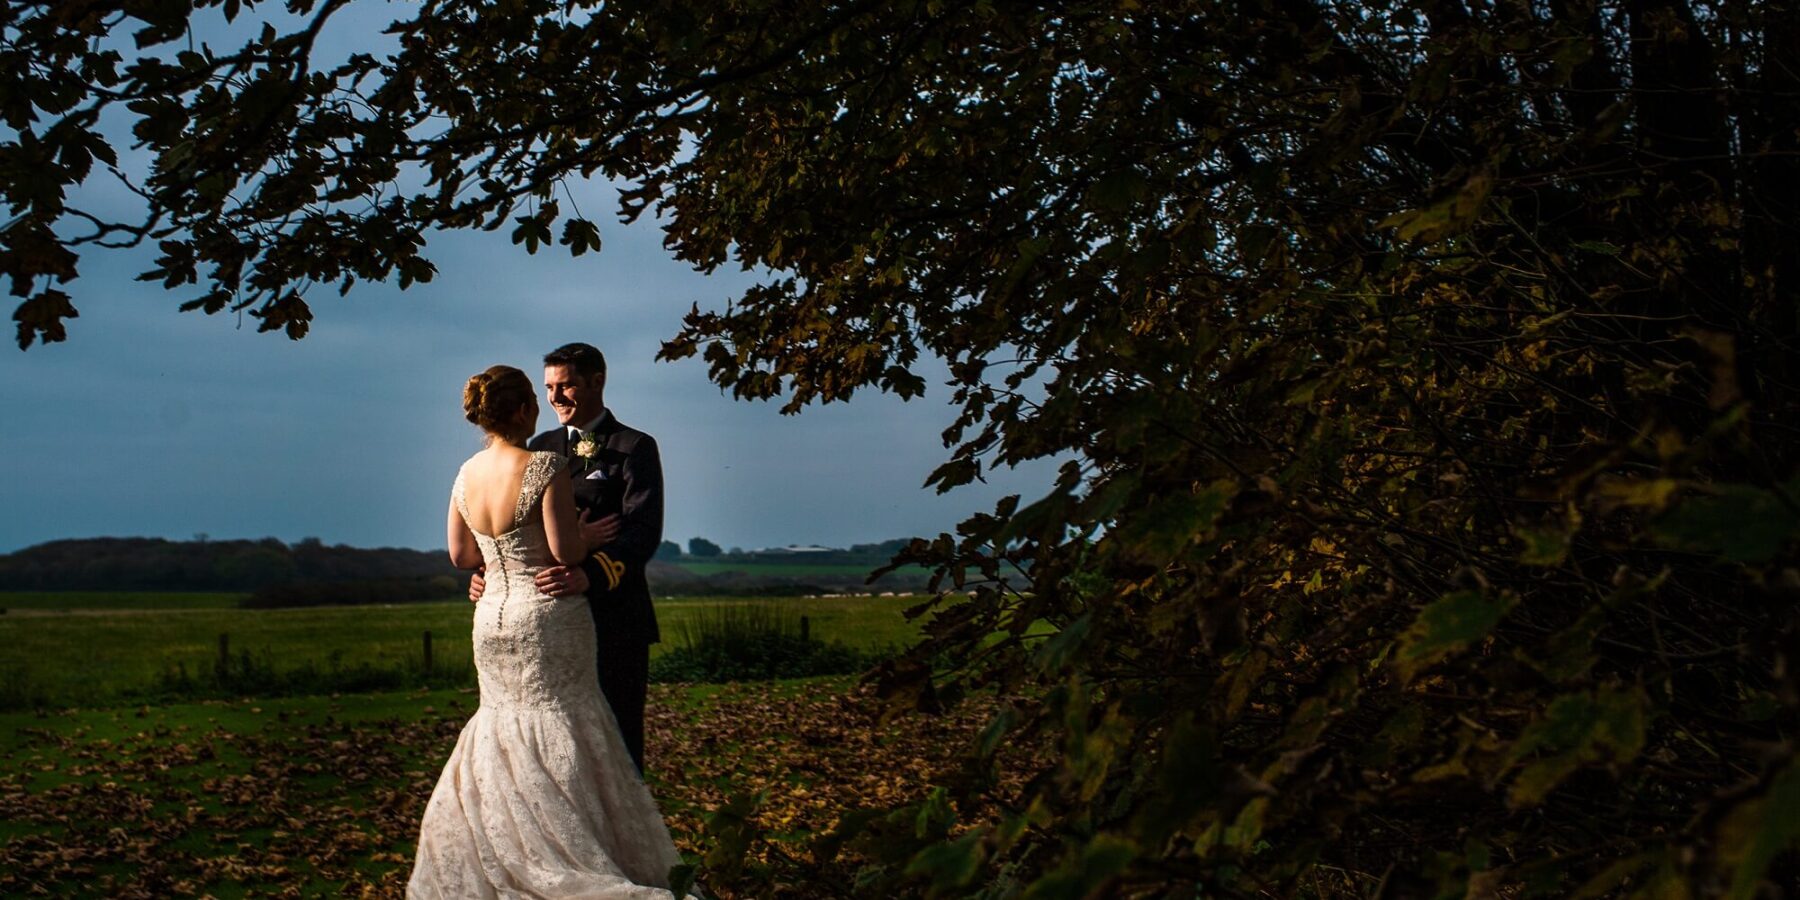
(585, 359)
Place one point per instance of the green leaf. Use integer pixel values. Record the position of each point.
(1400, 733)
(211, 302)
(1188, 778)
(1759, 829)
(1116, 191)
(1044, 515)
(1571, 650)
(1445, 217)
(1173, 521)
(1665, 883)
(532, 232)
(902, 381)
(1543, 546)
(1086, 870)
(580, 236)
(1612, 877)
(1245, 677)
(936, 817)
(1302, 392)
(415, 270)
(950, 865)
(1603, 248)
(1107, 499)
(730, 829)
(1446, 626)
(1477, 855)
(1736, 522)
(1576, 730)
(1652, 493)
(1060, 649)
(42, 317)
(681, 878)
(850, 825)
(996, 731)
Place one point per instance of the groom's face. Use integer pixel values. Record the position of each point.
(574, 398)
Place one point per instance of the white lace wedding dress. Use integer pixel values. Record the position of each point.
(539, 798)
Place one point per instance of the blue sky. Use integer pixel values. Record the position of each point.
(149, 421)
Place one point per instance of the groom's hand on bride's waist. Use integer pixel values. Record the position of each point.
(562, 581)
(477, 586)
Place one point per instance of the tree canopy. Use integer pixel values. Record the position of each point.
(1428, 371)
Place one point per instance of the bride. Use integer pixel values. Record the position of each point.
(539, 797)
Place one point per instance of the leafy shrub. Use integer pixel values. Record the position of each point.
(752, 642)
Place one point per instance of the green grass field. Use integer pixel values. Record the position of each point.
(74, 601)
(99, 649)
(113, 789)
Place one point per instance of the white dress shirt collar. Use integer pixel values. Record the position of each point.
(590, 427)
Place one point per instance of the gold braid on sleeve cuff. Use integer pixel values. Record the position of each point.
(614, 569)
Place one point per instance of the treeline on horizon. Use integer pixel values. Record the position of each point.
(312, 573)
(700, 549)
(159, 564)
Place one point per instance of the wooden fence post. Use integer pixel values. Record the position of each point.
(805, 629)
(427, 652)
(224, 653)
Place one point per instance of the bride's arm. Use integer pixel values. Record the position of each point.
(562, 525)
(464, 552)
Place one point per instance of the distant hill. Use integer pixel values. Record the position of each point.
(690, 577)
(865, 555)
(155, 564)
(304, 573)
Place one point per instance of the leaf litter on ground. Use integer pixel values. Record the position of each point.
(308, 796)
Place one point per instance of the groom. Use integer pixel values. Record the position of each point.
(618, 490)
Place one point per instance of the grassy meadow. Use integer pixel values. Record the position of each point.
(89, 649)
(109, 788)
(91, 601)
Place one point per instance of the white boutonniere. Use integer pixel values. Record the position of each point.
(586, 448)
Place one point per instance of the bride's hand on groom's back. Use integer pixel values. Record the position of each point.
(599, 532)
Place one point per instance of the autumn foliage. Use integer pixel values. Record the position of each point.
(1426, 373)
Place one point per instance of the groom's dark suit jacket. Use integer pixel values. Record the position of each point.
(629, 483)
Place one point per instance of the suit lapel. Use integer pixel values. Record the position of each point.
(605, 429)
(576, 463)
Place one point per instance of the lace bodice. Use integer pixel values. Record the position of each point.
(522, 549)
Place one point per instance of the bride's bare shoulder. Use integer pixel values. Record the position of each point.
(501, 463)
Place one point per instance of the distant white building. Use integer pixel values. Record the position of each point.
(799, 548)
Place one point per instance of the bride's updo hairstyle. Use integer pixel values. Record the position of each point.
(492, 399)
